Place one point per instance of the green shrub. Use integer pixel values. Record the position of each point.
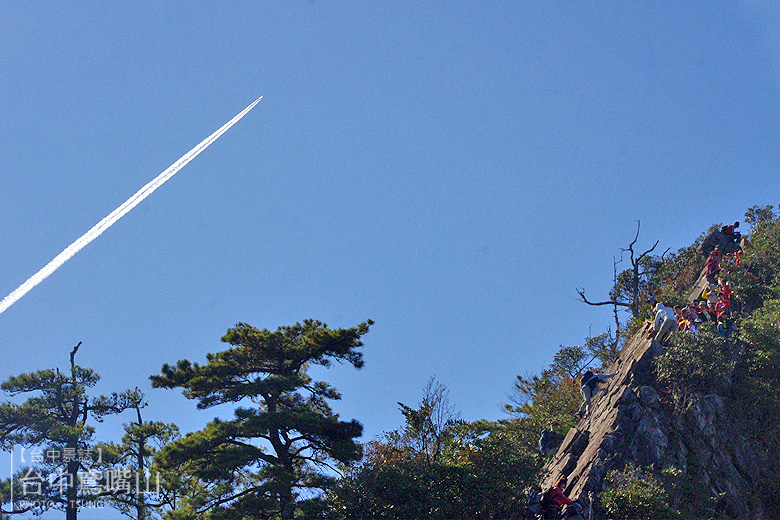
(695, 365)
(480, 474)
(679, 271)
(633, 494)
(758, 388)
(762, 258)
(672, 299)
(635, 323)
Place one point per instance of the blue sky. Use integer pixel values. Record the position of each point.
(451, 170)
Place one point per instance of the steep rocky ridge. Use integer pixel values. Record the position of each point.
(633, 422)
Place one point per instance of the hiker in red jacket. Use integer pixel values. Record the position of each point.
(722, 308)
(555, 499)
(731, 233)
(713, 267)
(726, 291)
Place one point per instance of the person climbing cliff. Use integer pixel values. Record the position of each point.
(664, 322)
(590, 385)
(713, 267)
(554, 500)
(550, 440)
(731, 232)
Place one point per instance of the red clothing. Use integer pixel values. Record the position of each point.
(722, 309)
(712, 264)
(727, 293)
(557, 497)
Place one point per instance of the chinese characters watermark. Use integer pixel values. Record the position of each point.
(59, 474)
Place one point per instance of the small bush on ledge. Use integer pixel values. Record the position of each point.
(635, 494)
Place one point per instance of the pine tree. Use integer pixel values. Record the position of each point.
(256, 463)
(133, 457)
(54, 423)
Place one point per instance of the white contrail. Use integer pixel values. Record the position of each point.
(118, 213)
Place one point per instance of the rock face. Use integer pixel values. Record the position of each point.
(718, 239)
(632, 422)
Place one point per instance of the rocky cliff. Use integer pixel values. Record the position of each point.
(633, 423)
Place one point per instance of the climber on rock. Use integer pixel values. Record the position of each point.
(649, 323)
(710, 294)
(664, 322)
(731, 233)
(590, 385)
(550, 440)
(555, 500)
(713, 267)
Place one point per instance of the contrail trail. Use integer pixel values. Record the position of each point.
(118, 213)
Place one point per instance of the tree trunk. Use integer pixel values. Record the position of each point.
(71, 491)
(286, 502)
(140, 498)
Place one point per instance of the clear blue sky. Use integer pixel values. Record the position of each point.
(451, 170)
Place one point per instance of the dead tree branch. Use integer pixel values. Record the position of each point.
(633, 285)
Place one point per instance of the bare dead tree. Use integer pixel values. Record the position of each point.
(73, 354)
(615, 307)
(634, 283)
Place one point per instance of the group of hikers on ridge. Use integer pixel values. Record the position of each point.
(711, 307)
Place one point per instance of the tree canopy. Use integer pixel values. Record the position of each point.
(55, 422)
(288, 432)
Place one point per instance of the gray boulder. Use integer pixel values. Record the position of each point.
(718, 239)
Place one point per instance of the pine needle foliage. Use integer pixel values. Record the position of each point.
(283, 433)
